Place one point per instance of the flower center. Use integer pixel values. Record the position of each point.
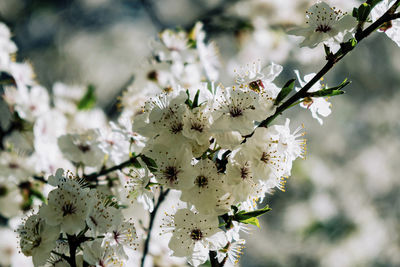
(13, 165)
(235, 111)
(68, 209)
(197, 126)
(323, 28)
(244, 172)
(176, 127)
(171, 173)
(265, 157)
(201, 181)
(196, 234)
(84, 148)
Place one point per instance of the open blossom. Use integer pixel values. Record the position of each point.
(29, 103)
(391, 28)
(7, 46)
(68, 207)
(324, 23)
(135, 184)
(174, 169)
(100, 256)
(37, 239)
(121, 235)
(102, 215)
(209, 192)
(240, 177)
(236, 110)
(193, 235)
(82, 148)
(317, 105)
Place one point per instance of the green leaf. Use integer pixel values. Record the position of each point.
(355, 12)
(337, 90)
(188, 101)
(196, 99)
(151, 164)
(287, 88)
(253, 221)
(363, 12)
(242, 215)
(89, 99)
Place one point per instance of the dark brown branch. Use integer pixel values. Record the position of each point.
(332, 60)
(161, 198)
(93, 176)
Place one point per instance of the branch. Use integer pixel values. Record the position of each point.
(332, 60)
(152, 217)
(93, 176)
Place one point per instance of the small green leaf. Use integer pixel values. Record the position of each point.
(287, 88)
(196, 100)
(188, 101)
(337, 90)
(89, 99)
(253, 221)
(363, 12)
(242, 215)
(151, 164)
(355, 12)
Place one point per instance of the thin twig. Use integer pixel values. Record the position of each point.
(93, 176)
(332, 60)
(152, 217)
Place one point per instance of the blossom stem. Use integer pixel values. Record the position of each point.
(161, 198)
(72, 250)
(332, 60)
(214, 261)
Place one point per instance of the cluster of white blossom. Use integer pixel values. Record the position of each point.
(178, 131)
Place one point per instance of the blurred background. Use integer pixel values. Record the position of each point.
(342, 204)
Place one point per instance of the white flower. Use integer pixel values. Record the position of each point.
(10, 198)
(236, 111)
(324, 24)
(115, 145)
(239, 174)
(120, 236)
(391, 28)
(29, 103)
(135, 184)
(209, 192)
(7, 46)
(254, 78)
(67, 207)
(37, 239)
(82, 148)
(66, 97)
(197, 124)
(268, 164)
(174, 169)
(288, 144)
(232, 250)
(8, 246)
(102, 215)
(15, 167)
(162, 118)
(208, 53)
(194, 235)
(317, 105)
(100, 256)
